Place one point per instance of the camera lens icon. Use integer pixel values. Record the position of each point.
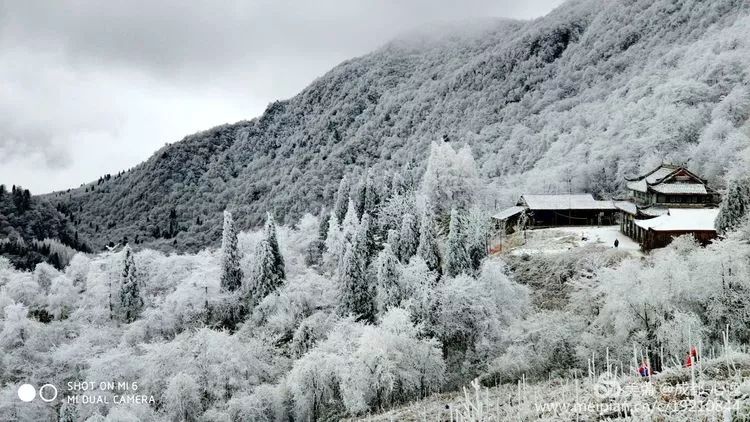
(50, 393)
(27, 393)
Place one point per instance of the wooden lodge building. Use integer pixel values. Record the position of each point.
(666, 202)
(551, 210)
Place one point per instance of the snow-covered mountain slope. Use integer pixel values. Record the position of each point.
(574, 100)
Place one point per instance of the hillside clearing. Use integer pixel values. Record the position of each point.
(563, 239)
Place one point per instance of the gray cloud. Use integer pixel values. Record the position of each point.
(89, 87)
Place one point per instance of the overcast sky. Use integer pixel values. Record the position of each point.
(89, 87)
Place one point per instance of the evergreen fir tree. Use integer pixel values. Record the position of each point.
(335, 246)
(342, 200)
(172, 228)
(360, 202)
(351, 221)
(367, 197)
(273, 242)
(268, 265)
(735, 205)
(366, 231)
(408, 239)
(231, 273)
(349, 227)
(357, 296)
(324, 220)
(265, 278)
(131, 302)
(428, 247)
(372, 195)
(388, 277)
(392, 239)
(457, 259)
(476, 230)
(398, 185)
(317, 247)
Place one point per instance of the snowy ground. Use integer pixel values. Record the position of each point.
(562, 239)
(715, 390)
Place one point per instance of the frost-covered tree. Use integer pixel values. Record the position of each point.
(268, 272)
(341, 201)
(392, 239)
(131, 302)
(389, 291)
(364, 367)
(182, 399)
(317, 246)
(729, 307)
(360, 195)
(398, 184)
(417, 285)
(17, 327)
(314, 383)
(470, 316)
(392, 210)
(350, 223)
(367, 232)
(78, 270)
(61, 301)
(324, 219)
(735, 205)
(273, 242)
(393, 363)
(428, 248)
(349, 228)
(44, 273)
(356, 294)
(477, 225)
(266, 403)
(310, 331)
(451, 179)
(367, 197)
(231, 273)
(265, 277)
(335, 246)
(457, 259)
(408, 238)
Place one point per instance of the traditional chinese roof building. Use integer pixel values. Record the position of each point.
(548, 210)
(665, 202)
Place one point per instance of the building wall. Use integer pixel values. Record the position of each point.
(653, 239)
(543, 218)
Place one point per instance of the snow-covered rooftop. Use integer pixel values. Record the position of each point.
(660, 173)
(682, 219)
(639, 185)
(633, 209)
(583, 201)
(654, 211)
(679, 188)
(627, 206)
(660, 180)
(508, 212)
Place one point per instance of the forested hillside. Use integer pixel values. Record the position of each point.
(376, 305)
(574, 100)
(32, 230)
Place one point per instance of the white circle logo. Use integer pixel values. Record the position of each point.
(51, 396)
(26, 393)
(607, 387)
